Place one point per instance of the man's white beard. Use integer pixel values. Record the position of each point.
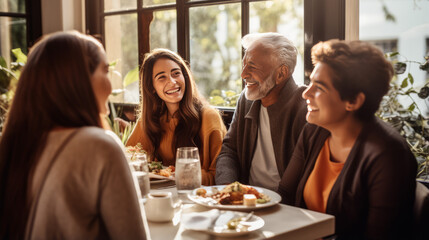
(263, 90)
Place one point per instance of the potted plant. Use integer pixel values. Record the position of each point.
(8, 81)
(409, 121)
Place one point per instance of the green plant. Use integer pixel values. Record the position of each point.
(8, 80)
(409, 121)
(123, 131)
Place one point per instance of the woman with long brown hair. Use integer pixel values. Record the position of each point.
(173, 114)
(62, 174)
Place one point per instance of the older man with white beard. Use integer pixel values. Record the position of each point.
(269, 116)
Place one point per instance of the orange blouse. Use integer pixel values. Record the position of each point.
(320, 182)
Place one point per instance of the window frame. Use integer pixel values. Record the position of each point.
(33, 19)
(323, 20)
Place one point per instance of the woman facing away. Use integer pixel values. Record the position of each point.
(63, 175)
(173, 114)
(347, 162)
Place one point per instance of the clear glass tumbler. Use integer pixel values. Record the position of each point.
(141, 171)
(188, 169)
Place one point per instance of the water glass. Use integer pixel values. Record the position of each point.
(141, 172)
(188, 169)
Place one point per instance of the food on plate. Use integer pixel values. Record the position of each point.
(201, 192)
(133, 151)
(154, 165)
(165, 172)
(249, 200)
(157, 168)
(233, 194)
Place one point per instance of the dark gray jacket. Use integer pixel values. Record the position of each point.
(287, 117)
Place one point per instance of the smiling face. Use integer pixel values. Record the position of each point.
(101, 84)
(324, 105)
(258, 72)
(169, 83)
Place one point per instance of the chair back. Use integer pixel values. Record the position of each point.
(421, 212)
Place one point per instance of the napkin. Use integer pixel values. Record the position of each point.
(206, 220)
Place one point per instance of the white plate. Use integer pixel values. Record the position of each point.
(156, 176)
(155, 180)
(211, 203)
(194, 221)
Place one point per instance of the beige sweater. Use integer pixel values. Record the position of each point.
(89, 192)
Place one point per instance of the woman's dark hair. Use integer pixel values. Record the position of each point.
(54, 90)
(357, 67)
(153, 107)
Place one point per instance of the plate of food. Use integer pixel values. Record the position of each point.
(235, 196)
(159, 173)
(222, 223)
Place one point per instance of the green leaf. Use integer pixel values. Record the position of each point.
(20, 56)
(113, 63)
(132, 76)
(412, 107)
(217, 101)
(411, 78)
(3, 62)
(392, 54)
(404, 83)
(411, 90)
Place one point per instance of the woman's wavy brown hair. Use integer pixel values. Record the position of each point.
(153, 107)
(54, 90)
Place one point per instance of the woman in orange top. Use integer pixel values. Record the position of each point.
(173, 114)
(349, 163)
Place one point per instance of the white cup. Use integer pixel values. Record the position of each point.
(159, 207)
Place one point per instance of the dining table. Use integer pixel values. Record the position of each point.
(281, 221)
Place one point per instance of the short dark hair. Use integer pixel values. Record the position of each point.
(357, 67)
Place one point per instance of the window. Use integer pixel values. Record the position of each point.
(20, 26)
(400, 26)
(206, 33)
(388, 45)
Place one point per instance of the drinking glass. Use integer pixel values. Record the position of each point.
(188, 169)
(141, 172)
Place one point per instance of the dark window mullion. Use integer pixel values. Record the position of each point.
(13, 14)
(245, 26)
(34, 21)
(145, 18)
(182, 13)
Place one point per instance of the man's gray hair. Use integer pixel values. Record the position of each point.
(283, 49)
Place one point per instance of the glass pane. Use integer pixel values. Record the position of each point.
(163, 30)
(122, 48)
(215, 46)
(285, 17)
(111, 5)
(148, 3)
(13, 34)
(12, 6)
(401, 26)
